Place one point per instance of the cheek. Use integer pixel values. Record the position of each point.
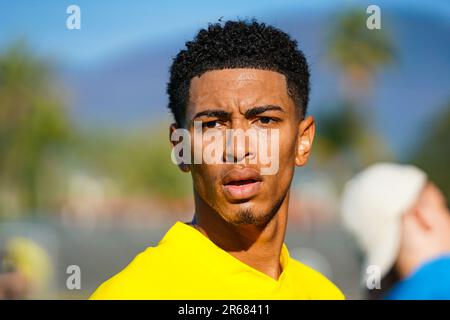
(288, 148)
(281, 180)
(204, 178)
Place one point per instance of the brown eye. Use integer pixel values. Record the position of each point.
(266, 120)
(210, 124)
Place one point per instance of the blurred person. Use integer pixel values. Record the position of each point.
(13, 286)
(402, 222)
(25, 269)
(233, 75)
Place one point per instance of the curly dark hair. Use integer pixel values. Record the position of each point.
(238, 44)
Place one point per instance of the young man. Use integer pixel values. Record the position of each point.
(236, 76)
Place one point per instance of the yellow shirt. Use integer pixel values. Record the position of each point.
(187, 265)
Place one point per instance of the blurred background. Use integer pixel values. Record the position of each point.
(85, 172)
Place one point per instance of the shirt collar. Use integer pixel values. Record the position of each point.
(185, 237)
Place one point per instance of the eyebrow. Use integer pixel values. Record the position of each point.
(261, 109)
(221, 114)
(217, 113)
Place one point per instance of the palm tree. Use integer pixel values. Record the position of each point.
(358, 51)
(346, 136)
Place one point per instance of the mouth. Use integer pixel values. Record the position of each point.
(241, 184)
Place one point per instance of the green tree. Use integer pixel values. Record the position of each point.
(346, 136)
(138, 160)
(33, 122)
(358, 51)
(433, 152)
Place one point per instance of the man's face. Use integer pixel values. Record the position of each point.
(247, 99)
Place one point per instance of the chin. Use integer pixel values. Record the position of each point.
(246, 215)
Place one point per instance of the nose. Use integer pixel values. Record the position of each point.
(240, 144)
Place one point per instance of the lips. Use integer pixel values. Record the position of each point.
(241, 184)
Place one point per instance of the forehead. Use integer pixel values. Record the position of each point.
(238, 88)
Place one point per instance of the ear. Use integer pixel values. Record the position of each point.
(422, 218)
(306, 131)
(183, 166)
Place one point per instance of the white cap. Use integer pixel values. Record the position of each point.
(372, 206)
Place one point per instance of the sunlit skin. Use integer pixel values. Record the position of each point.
(425, 231)
(248, 221)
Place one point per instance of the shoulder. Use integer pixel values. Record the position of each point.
(131, 282)
(317, 285)
(421, 284)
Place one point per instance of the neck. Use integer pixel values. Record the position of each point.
(406, 264)
(257, 246)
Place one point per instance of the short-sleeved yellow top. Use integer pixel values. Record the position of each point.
(187, 265)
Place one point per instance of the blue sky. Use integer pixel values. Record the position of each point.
(111, 27)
